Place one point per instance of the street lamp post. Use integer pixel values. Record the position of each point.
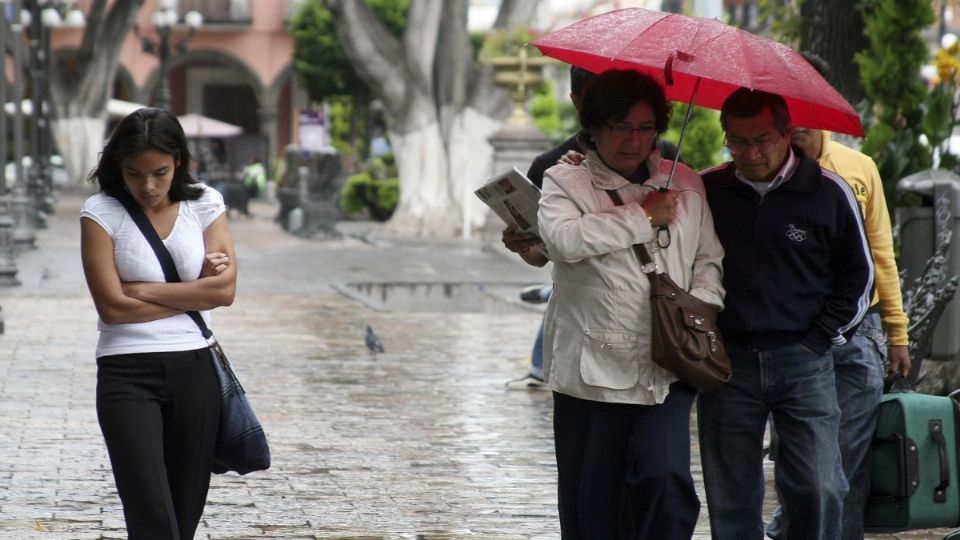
(22, 207)
(45, 16)
(8, 265)
(163, 47)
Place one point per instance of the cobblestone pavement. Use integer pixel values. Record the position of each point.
(420, 442)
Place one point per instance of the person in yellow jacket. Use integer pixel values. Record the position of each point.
(859, 363)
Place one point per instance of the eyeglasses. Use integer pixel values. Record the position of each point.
(739, 146)
(622, 129)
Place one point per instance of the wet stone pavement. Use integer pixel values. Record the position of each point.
(420, 442)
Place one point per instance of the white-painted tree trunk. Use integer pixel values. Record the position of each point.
(440, 109)
(471, 162)
(79, 94)
(438, 176)
(80, 140)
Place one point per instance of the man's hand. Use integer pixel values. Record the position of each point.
(518, 241)
(572, 157)
(661, 207)
(899, 360)
(214, 263)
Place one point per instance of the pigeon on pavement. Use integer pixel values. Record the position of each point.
(372, 340)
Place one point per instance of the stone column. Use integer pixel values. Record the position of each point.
(268, 127)
(22, 210)
(311, 192)
(517, 146)
(8, 265)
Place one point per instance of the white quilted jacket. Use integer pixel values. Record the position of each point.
(597, 335)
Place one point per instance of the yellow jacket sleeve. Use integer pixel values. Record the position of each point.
(861, 173)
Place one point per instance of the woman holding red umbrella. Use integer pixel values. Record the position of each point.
(621, 423)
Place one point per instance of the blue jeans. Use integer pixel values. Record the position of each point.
(536, 357)
(536, 365)
(798, 388)
(859, 366)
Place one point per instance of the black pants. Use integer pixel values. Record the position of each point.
(159, 414)
(624, 470)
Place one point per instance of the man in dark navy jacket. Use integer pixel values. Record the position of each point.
(799, 278)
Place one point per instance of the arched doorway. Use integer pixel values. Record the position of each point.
(222, 87)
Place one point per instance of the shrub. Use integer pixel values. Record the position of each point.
(376, 189)
(703, 141)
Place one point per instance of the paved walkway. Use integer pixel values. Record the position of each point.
(420, 442)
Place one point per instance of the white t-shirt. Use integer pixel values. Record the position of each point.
(136, 261)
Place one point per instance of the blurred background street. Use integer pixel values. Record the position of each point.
(293, 110)
(422, 441)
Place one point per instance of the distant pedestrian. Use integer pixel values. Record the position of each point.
(158, 400)
(254, 178)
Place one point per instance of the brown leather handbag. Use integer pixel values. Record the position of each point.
(685, 338)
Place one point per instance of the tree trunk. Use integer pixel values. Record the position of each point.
(358, 116)
(79, 95)
(834, 30)
(515, 13)
(79, 140)
(440, 109)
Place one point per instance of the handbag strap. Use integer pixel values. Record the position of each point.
(645, 260)
(166, 260)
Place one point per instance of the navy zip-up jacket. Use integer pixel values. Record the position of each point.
(797, 267)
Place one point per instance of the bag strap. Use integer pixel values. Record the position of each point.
(645, 260)
(166, 260)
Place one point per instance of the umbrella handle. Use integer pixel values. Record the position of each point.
(683, 132)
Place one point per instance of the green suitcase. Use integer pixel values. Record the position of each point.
(913, 464)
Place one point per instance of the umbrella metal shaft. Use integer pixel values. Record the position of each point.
(683, 131)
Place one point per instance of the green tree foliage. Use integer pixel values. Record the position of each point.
(345, 132)
(785, 22)
(322, 68)
(320, 64)
(703, 142)
(891, 66)
(545, 110)
(940, 107)
(890, 69)
(558, 119)
(375, 189)
(508, 43)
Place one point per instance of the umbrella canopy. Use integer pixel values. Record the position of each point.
(197, 126)
(682, 52)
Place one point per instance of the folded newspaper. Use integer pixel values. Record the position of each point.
(514, 198)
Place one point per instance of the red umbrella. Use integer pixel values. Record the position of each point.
(685, 53)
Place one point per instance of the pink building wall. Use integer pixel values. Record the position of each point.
(260, 48)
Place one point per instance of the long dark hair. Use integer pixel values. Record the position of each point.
(149, 128)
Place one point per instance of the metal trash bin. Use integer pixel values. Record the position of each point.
(920, 230)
